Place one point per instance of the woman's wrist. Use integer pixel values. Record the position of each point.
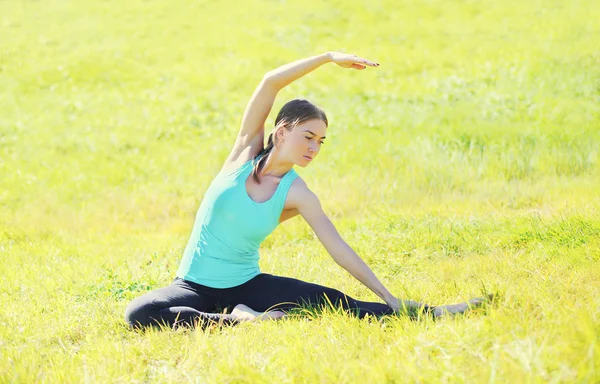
(390, 299)
(384, 294)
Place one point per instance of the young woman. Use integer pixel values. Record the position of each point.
(257, 189)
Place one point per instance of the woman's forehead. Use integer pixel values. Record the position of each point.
(316, 127)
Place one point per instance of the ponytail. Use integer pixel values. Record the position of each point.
(260, 164)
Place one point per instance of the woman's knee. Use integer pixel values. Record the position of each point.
(138, 312)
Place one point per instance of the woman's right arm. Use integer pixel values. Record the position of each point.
(251, 132)
(285, 74)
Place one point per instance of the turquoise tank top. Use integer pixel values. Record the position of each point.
(222, 251)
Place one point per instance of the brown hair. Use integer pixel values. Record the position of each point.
(294, 112)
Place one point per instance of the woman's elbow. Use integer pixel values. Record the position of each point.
(270, 80)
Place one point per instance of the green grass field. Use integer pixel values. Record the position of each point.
(467, 162)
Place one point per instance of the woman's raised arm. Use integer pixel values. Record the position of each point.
(285, 74)
(251, 132)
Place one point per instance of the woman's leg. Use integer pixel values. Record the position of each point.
(179, 304)
(267, 292)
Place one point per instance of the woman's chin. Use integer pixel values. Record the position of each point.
(304, 162)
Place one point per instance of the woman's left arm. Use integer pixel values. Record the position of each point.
(309, 206)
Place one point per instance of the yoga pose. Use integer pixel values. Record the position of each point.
(257, 189)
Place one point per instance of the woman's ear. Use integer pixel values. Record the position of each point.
(280, 134)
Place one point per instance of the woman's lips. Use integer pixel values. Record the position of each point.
(308, 158)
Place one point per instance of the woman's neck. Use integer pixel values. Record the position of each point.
(275, 165)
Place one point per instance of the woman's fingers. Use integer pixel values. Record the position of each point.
(358, 66)
(360, 63)
(370, 63)
(352, 61)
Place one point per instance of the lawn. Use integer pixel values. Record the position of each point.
(468, 162)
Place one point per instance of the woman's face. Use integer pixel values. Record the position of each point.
(302, 144)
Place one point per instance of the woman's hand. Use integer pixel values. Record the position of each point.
(399, 305)
(350, 61)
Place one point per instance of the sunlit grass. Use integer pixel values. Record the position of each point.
(466, 163)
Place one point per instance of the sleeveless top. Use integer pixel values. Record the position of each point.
(222, 251)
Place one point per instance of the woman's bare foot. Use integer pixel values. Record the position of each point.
(454, 309)
(246, 313)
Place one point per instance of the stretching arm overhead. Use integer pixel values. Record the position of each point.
(251, 137)
(252, 132)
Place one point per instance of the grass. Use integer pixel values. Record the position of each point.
(467, 162)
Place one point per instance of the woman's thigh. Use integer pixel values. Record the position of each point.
(266, 292)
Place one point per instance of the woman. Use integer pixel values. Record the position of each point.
(257, 189)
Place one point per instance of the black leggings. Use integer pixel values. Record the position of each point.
(189, 304)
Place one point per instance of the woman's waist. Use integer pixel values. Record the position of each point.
(218, 274)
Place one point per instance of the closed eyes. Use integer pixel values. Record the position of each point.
(310, 138)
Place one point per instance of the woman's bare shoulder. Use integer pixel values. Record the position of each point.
(299, 193)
